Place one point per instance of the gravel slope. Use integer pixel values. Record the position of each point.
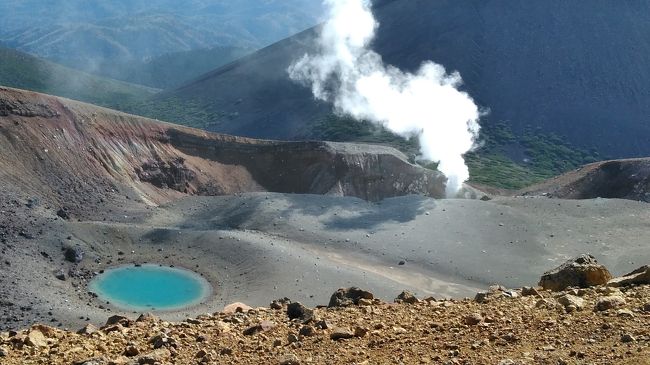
(525, 330)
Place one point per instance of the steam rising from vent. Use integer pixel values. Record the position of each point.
(426, 103)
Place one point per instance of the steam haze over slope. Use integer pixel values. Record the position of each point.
(92, 35)
(425, 105)
(21, 70)
(572, 69)
(171, 70)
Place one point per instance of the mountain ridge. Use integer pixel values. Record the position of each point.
(539, 69)
(92, 34)
(156, 161)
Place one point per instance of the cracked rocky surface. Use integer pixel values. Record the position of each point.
(529, 326)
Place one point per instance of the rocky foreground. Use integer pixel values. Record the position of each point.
(579, 315)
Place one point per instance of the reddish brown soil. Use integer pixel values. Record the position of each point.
(534, 329)
(74, 155)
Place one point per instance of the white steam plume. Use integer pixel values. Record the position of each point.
(427, 103)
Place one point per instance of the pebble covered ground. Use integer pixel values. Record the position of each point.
(598, 325)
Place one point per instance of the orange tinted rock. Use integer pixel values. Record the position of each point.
(583, 271)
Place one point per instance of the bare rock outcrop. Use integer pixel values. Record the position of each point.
(26, 108)
(583, 271)
(640, 276)
(167, 174)
(350, 296)
(615, 179)
(610, 302)
(299, 312)
(407, 297)
(366, 171)
(74, 254)
(77, 154)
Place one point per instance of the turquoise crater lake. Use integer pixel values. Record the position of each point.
(150, 287)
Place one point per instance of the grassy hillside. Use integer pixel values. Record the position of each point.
(172, 69)
(513, 161)
(24, 71)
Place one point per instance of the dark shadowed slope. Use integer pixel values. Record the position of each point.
(171, 70)
(574, 69)
(252, 96)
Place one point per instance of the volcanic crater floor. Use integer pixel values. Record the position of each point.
(259, 246)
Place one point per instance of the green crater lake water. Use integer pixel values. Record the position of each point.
(150, 287)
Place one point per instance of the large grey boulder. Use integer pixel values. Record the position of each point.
(74, 254)
(583, 271)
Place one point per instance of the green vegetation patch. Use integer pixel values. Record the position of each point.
(346, 129)
(544, 155)
(191, 113)
(541, 156)
(23, 71)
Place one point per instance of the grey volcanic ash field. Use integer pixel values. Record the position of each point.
(85, 189)
(259, 246)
